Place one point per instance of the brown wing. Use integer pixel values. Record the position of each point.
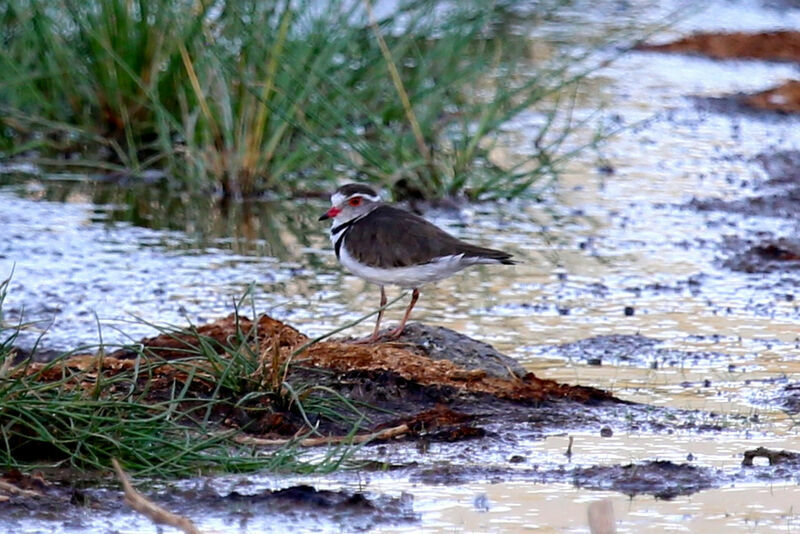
(391, 237)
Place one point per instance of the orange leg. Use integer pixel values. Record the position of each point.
(374, 337)
(399, 330)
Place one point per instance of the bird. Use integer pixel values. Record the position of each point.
(384, 244)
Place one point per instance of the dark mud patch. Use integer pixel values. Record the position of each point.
(788, 398)
(764, 464)
(662, 479)
(762, 254)
(782, 168)
(635, 350)
(62, 501)
(786, 458)
(778, 197)
(784, 204)
(359, 511)
(774, 103)
(659, 478)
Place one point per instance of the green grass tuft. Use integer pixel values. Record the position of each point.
(161, 424)
(247, 96)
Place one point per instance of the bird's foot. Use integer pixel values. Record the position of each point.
(380, 337)
(397, 332)
(374, 338)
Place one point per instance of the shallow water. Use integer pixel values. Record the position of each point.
(81, 252)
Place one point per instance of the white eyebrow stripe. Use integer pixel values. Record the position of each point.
(374, 198)
(338, 198)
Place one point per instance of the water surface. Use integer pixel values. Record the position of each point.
(85, 254)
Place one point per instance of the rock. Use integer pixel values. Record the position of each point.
(441, 343)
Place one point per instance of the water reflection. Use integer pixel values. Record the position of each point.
(80, 248)
(273, 228)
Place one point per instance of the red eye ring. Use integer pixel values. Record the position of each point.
(355, 201)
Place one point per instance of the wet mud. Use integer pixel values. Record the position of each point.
(436, 386)
(778, 197)
(58, 499)
(662, 479)
(634, 350)
(762, 253)
(768, 46)
(428, 378)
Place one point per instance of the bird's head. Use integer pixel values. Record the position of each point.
(351, 201)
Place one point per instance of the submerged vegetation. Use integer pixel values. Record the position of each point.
(245, 96)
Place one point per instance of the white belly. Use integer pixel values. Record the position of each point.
(411, 276)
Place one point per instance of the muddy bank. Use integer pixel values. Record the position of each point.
(408, 380)
(61, 496)
(61, 501)
(431, 382)
(432, 386)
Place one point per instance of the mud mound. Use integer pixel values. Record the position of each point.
(430, 379)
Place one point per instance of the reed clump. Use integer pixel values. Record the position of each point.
(247, 96)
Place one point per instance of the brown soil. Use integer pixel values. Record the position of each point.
(479, 418)
(784, 98)
(403, 384)
(770, 46)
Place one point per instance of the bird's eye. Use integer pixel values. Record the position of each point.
(355, 201)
